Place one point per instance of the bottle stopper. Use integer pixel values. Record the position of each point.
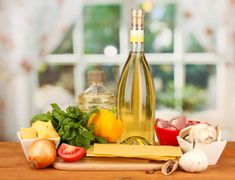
(95, 76)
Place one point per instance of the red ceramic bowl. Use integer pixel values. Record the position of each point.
(167, 136)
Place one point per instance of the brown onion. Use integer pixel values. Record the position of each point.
(42, 153)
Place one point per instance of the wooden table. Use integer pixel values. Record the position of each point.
(13, 165)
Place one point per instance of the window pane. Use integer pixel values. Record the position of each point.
(56, 85)
(200, 90)
(159, 28)
(66, 46)
(199, 25)
(111, 75)
(163, 76)
(101, 28)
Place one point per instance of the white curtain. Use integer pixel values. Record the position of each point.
(227, 15)
(29, 30)
(218, 15)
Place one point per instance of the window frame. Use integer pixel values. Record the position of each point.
(179, 58)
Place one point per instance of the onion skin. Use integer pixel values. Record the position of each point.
(42, 153)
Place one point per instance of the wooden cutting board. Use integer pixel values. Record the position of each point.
(108, 164)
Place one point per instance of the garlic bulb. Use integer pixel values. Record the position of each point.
(194, 161)
(202, 133)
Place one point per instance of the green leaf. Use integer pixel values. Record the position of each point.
(58, 114)
(86, 117)
(91, 127)
(73, 111)
(41, 117)
(100, 140)
(56, 108)
(85, 138)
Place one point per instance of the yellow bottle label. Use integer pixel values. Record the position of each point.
(137, 36)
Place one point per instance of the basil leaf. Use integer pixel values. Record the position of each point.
(41, 117)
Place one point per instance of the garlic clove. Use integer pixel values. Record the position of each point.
(194, 161)
(169, 167)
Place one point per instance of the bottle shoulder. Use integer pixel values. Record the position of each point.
(139, 56)
(134, 60)
(136, 69)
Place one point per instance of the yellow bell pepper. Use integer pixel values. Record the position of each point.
(106, 125)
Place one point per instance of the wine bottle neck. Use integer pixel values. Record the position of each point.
(137, 31)
(137, 40)
(137, 47)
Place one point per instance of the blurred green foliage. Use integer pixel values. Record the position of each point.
(193, 98)
(166, 98)
(194, 92)
(101, 27)
(193, 45)
(161, 17)
(199, 74)
(163, 76)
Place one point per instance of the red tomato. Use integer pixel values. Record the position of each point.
(70, 153)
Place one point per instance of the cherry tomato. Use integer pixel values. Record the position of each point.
(70, 153)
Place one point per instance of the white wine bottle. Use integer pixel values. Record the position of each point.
(136, 94)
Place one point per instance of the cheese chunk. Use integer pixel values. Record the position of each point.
(45, 129)
(48, 133)
(159, 153)
(40, 126)
(50, 126)
(28, 133)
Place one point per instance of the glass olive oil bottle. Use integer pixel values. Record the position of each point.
(136, 94)
(96, 96)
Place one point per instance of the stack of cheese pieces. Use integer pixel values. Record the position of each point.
(39, 129)
(157, 153)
